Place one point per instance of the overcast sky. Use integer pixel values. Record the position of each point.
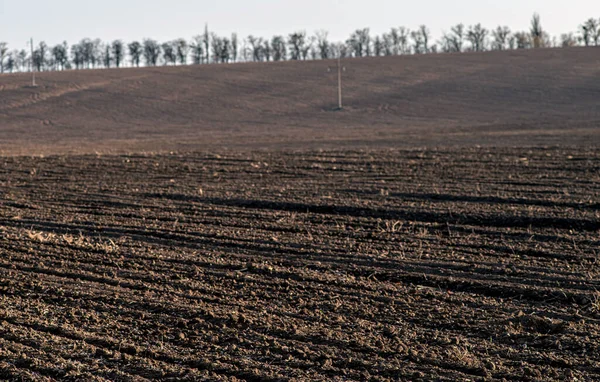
(57, 20)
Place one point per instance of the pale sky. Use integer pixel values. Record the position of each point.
(56, 20)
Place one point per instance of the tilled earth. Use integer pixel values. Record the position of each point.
(470, 264)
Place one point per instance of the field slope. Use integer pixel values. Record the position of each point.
(541, 97)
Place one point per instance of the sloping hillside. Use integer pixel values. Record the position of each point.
(536, 97)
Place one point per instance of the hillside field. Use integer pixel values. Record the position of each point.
(224, 223)
(524, 98)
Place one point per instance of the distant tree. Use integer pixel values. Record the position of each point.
(360, 42)
(387, 42)
(323, 44)
(278, 48)
(10, 63)
(225, 50)
(567, 40)
(594, 30)
(181, 50)
(500, 37)
(297, 44)
(590, 32)
(456, 38)
(42, 57)
(197, 49)
(118, 51)
(221, 49)
(378, 47)
(523, 40)
(426, 35)
(537, 32)
(420, 39)
(404, 40)
(169, 52)
(206, 41)
(308, 47)
(135, 52)
(77, 56)
(476, 36)
(151, 52)
(453, 42)
(60, 55)
(256, 46)
(234, 47)
(37, 60)
(107, 58)
(314, 53)
(21, 59)
(3, 52)
(89, 51)
(266, 50)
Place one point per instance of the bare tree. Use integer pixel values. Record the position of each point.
(225, 50)
(220, 48)
(567, 40)
(3, 52)
(206, 41)
(360, 42)
(42, 55)
(107, 57)
(256, 45)
(118, 51)
(387, 42)
(378, 46)
(135, 52)
(590, 32)
(169, 52)
(403, 40)
(523, 40)
(10, 63)
(420, 39)
(426, 35)
(453, 42)
(456, 38)
(181, 50)
(266, 50)
(595, 31)
(308, 47)
(323, 44)
(278, 48)
(297, 43)
(234, 47)
(537, 33)
(500, 36)
(22, 59)
(77, 56)
(151, 52)
(476, 36)
(60, 56)
(197, 48)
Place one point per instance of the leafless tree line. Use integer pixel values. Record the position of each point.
(211, 48)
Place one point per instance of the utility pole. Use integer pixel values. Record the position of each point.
(340, 105)
(33, 84)
(340, 69)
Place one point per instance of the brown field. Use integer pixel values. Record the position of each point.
(533, 98)
(351, 265)
(164, 236)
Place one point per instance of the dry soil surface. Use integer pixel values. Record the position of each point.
(466, 264)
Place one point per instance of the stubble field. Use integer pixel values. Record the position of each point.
(448, 264)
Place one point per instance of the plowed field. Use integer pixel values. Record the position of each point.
(466, 264)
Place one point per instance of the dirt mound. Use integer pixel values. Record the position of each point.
(536, 97)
